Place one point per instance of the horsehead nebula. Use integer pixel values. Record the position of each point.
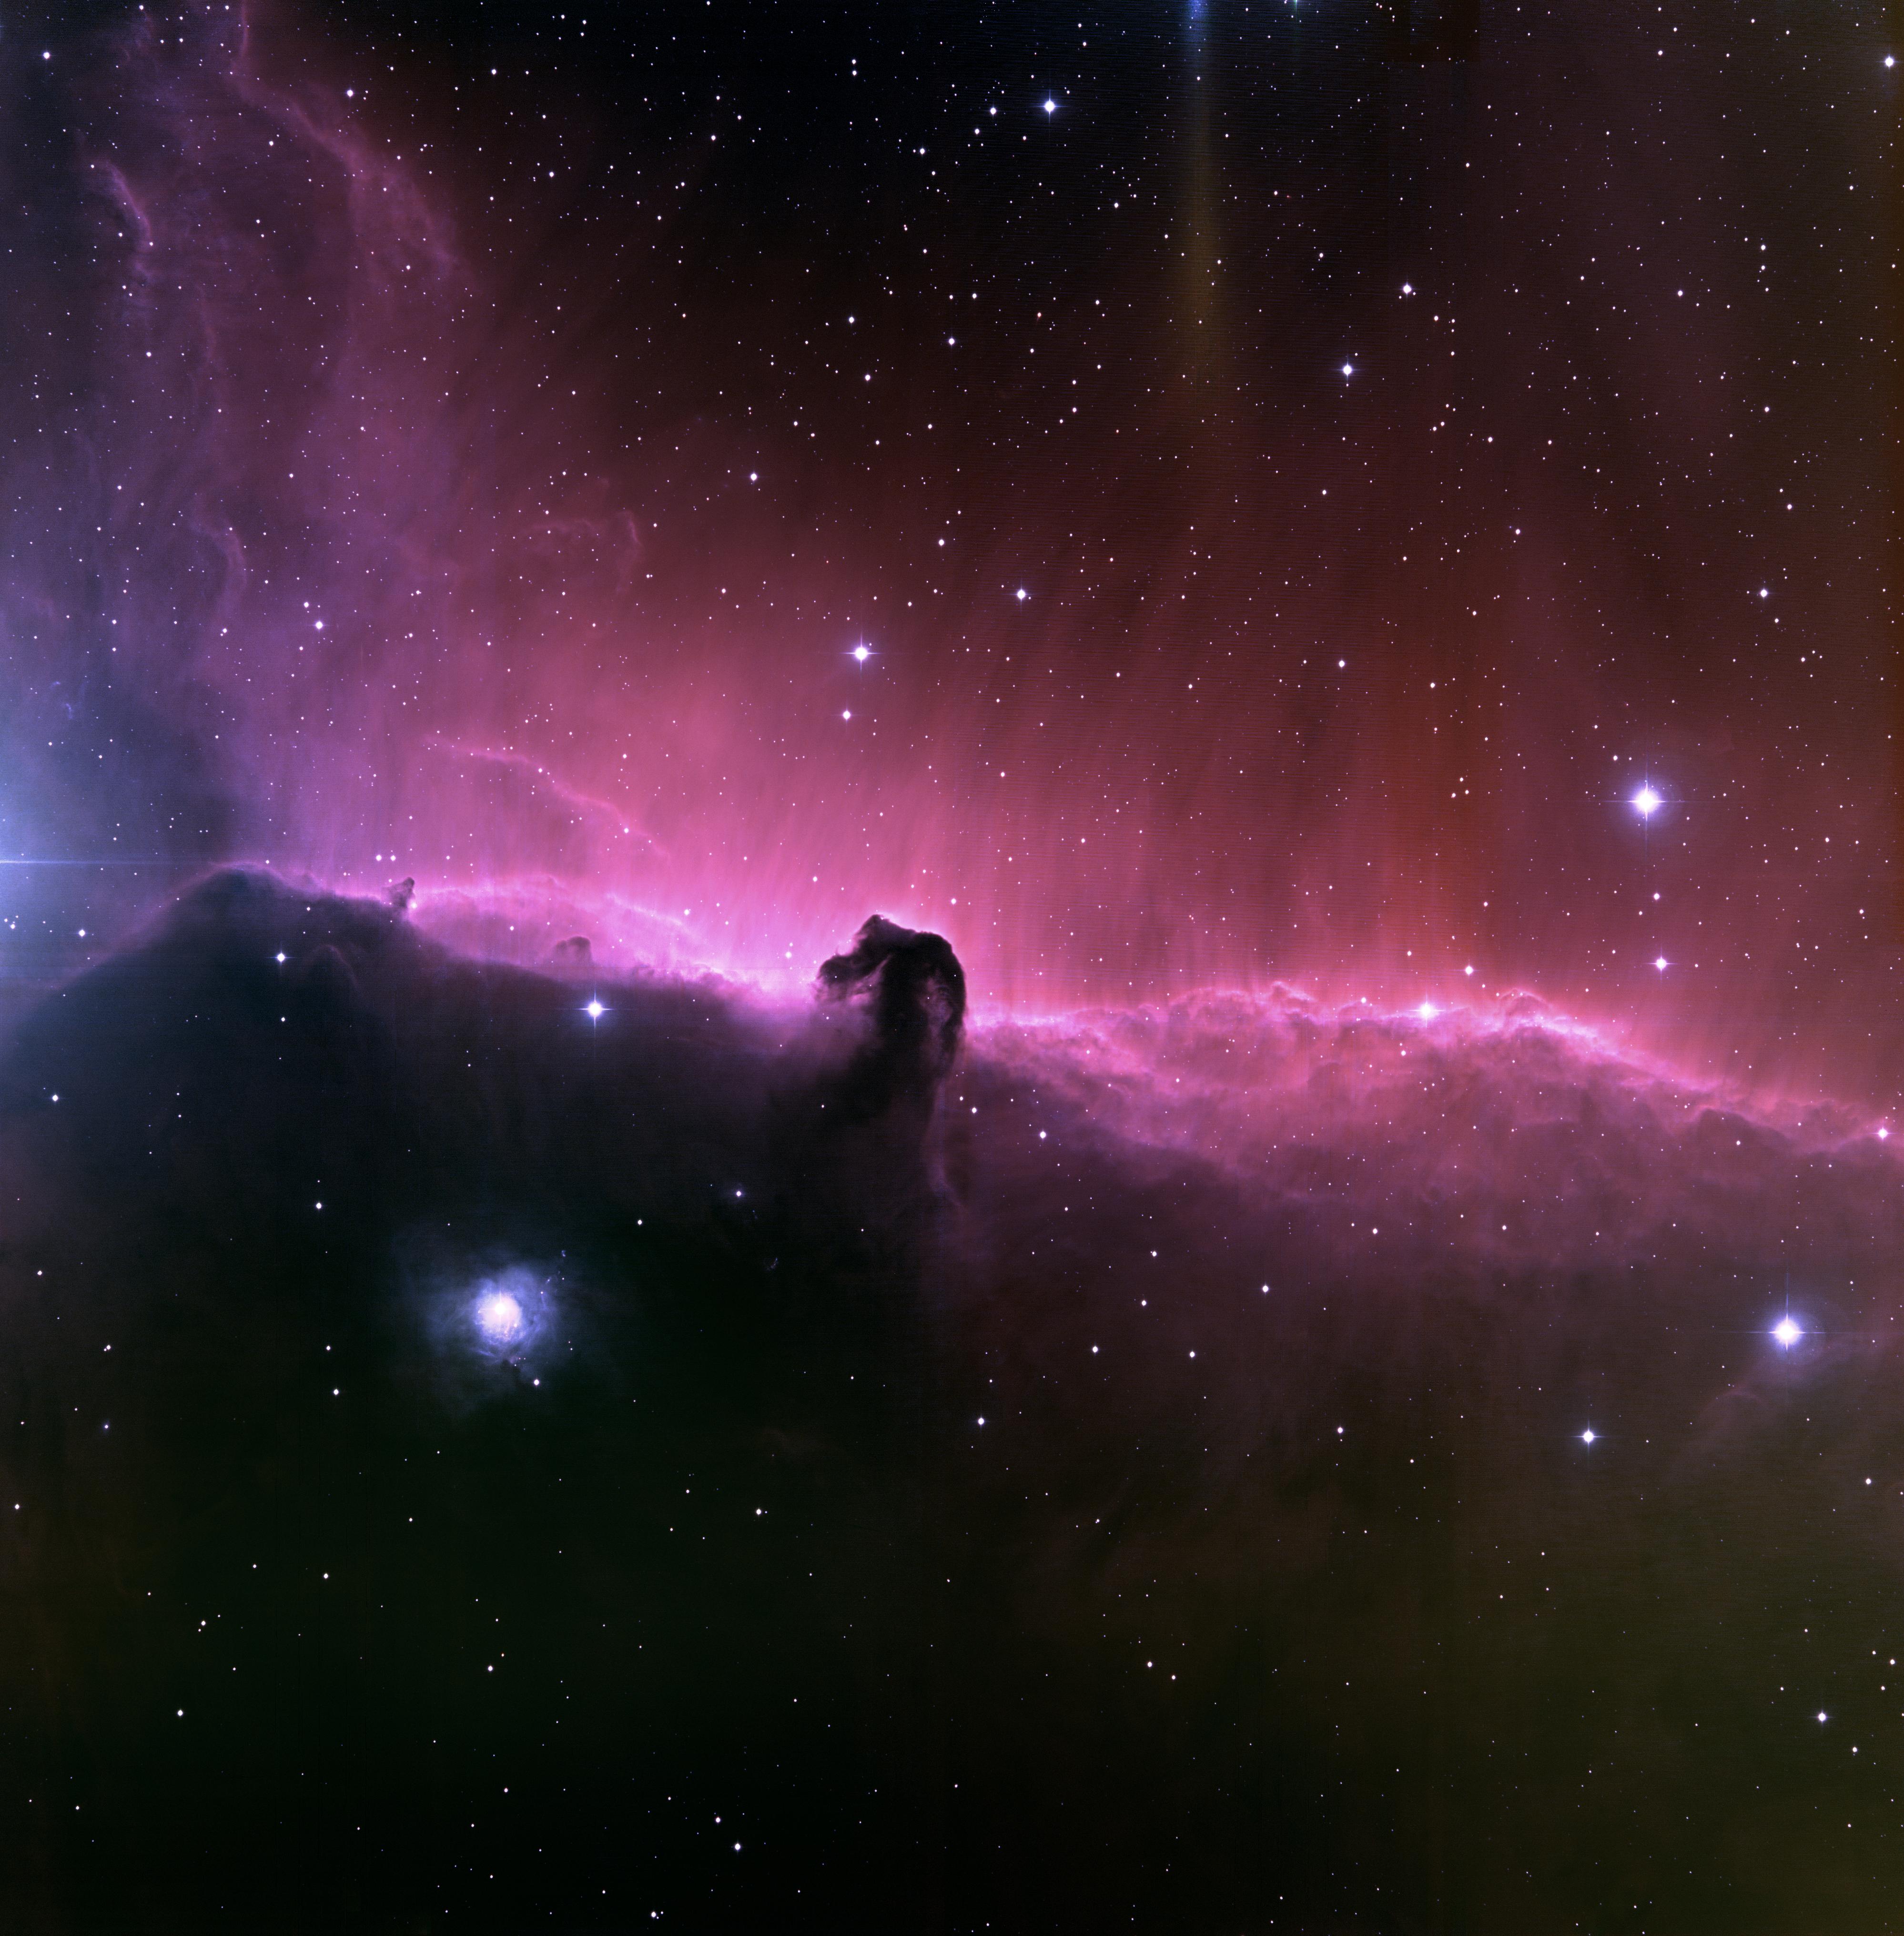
(948, 972)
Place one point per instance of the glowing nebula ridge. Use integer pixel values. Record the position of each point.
(373, 572)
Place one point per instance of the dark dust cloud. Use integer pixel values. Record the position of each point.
(947, 970)
(491, 1460)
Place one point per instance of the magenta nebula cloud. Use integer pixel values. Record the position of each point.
(947, 970)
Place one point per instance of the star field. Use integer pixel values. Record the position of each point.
(1299, 1332)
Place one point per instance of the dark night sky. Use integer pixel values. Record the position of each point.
(1216, 510)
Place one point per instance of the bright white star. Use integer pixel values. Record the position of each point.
(1050, 106)
(1646, 801)
(1023, 594)
(1348, 369)
(1588, 1437)
(1787, 1331)
(1660, 963)
(1426, 1012)
(500, 1317)
(593, 1010)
